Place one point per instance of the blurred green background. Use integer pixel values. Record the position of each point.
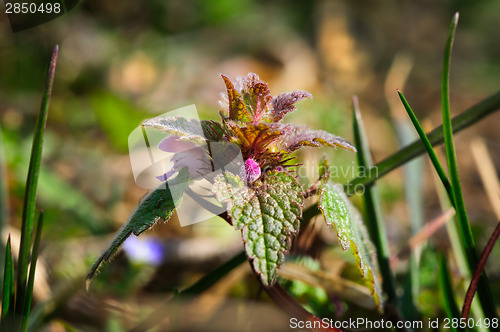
(123, 62)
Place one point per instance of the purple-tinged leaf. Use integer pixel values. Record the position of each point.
(284, 103)
(296, 137)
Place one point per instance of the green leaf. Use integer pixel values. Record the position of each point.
(157, 206)
(267, 215)
(8, 286)
(351, 232)
(31, 185)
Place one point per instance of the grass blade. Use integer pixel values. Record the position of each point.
(31, 279)
(464, 227)
(450, 305)
(375, 222)
(402, 156)
(428, 147)
(8, 288)
(4, 202)
(31, 186)
(413, 193)
(460, 122)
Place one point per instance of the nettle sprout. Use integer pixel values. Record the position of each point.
(264, 200)
(251, 118)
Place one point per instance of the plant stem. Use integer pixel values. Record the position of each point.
(479, 270)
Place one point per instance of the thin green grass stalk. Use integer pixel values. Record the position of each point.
(402, 156)
(445, 282)
(484, 291)
(461, 121)
(4, 201)
(375, 222)
(31, 278)
(452, 227)
(31, 186)
(428, 147)
(458, 251)
(8, 288)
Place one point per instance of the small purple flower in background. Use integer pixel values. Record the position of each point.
(252, 170)
(187, 154)
(146, 250)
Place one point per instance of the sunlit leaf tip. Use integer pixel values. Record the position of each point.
(352, 234)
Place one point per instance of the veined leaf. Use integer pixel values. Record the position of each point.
(284, 103)
(249, 100)
(254, 137)
(187, 129)
(351, 232)
(296, 136)
(237, 108)
(157, 206)
(258, 100)
(267, 215)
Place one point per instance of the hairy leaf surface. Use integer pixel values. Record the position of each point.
(296, 136)
(284, 103)
(237, 108)
(187, 129)
(351, 232)
(267, 215)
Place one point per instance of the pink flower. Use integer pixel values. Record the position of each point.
(252, 170)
